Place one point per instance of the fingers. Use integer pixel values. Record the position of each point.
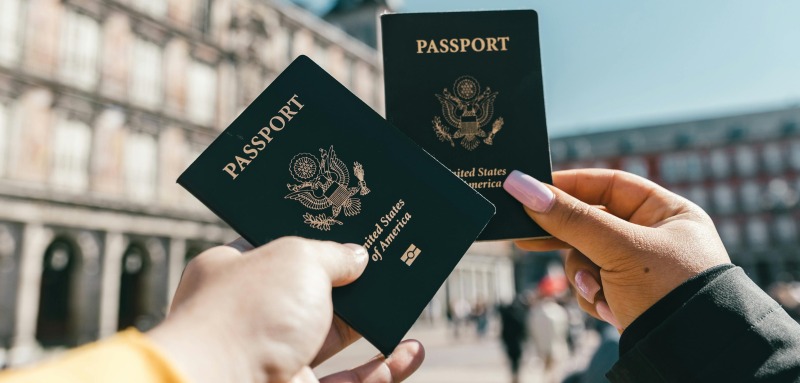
(343, 263)
(348, 263)
(582, 274)
(626, 195)
(585, 277)
(340, 336)
(588, 229)
(306, 375)
(546, 244)
(405, 359)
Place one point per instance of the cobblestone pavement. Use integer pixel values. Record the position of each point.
(467, 359)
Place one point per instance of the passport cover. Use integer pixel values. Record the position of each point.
(467, 87)
(308, 158)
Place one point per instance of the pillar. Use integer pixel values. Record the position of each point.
(176, 257)
(112, 271)
(35, 238)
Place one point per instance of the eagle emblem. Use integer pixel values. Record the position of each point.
(468, 110)
(324, 183)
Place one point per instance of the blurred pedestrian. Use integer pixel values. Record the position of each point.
(549, 327)
(480, 314)
(651, 263)
(513, 331)
(603, 359)
(461, 310)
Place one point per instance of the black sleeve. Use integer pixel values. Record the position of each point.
(716, 327)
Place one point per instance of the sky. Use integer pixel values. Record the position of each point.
(614, 64)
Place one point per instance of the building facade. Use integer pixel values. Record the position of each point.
(359, 18)
(102, 105)
(744, 170)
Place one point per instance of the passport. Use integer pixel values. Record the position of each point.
(467, 87)
(308, 158)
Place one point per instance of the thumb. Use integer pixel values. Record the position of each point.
(343, 263)
(589, 229)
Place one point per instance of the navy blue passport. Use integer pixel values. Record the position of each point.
(467, 87)
(308, 158)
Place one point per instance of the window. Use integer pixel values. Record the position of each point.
(201, 98)
(785, 229)
(580, 149)
(146, 75)
(153, 7)
(4, 132)
(364, 82)
(719, 164)
(794, 155)
(10, 17)
(80, 40)
(757, 233)
(751, 196)
(320, 53)
(140, 166)
(773, 158)
(71, 148)
(279, 43)
(729, 233)
(674, 168)
(350, 68)
(193, 152)
(698, 195)
(201, 15)
(724, 200)
(780, 194)
(636, 165)
(746, 162)
(694, 167)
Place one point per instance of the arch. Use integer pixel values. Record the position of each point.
(134, 288)
(56, 322)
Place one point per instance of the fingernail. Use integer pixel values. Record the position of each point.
(587, 285)
(530, 191)
(605, 312)
(359, 251)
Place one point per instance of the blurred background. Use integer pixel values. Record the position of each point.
(104, 103)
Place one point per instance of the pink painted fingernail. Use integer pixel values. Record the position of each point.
(605, 312)
(587, 285)
(530, 191)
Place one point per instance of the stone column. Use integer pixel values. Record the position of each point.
(176, 256)
(35, 239)
(112, 272)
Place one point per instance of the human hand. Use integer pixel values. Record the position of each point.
(266, 315)
(630, 241)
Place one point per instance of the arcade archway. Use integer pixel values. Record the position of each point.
(134, 289)
(56, 321)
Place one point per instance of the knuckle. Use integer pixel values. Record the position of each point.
(199, 264)
(297, 246)
(574, 212)
(289, 241)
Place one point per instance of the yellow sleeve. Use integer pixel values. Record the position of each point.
(126, 357)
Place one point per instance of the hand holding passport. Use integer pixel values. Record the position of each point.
(233, 319)
(307, 158)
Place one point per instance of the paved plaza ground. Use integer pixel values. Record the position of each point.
(467, 359)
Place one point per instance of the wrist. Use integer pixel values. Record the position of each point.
(666, 306)
(202, 352)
